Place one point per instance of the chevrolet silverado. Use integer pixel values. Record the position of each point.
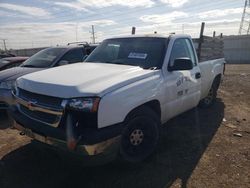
(118, 99)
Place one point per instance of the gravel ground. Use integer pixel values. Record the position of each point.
(200, 148)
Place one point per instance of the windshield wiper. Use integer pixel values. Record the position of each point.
(152, 68)
(30, 66)
(121, 63)
(113, 62)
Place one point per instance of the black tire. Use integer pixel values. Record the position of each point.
(140, 135)
(209, 100)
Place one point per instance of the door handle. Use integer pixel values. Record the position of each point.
(198, 75)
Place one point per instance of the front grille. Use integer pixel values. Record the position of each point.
(42, 108)
(43, 100)
(41, 116)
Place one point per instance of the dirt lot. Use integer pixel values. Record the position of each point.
(197, 149)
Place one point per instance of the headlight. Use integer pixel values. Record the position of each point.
(84, 104)
(15, 89)
(7, 84)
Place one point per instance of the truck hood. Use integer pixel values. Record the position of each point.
(14, 73)
(82, 79)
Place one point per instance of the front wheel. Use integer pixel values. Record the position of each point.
(140, 136)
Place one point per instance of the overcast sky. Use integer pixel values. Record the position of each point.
(34, 23)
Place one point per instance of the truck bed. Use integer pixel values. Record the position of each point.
(208, 68)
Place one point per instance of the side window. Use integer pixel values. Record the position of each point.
(191, 52)
(73, 56)
(181, 49)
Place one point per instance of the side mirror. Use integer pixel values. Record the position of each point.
(63, 62)
(181, 64)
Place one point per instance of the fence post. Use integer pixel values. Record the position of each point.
(201, 40)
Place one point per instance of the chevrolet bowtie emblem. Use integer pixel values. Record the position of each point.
(31, 105)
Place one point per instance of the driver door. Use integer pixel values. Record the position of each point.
(183, 87)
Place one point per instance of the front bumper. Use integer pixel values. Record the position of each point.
(105, 147)
(98, 142)
(6, 99)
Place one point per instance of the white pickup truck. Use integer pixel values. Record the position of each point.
(127, 88)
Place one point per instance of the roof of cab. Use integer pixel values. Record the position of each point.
(73, 46)
(151, 36)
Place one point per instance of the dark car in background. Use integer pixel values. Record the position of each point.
(6, 55)
(10, 62)
(47, 58)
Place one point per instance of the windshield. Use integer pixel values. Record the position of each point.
(44, 58)
(145, 52)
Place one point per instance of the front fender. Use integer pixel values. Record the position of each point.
(115, 106)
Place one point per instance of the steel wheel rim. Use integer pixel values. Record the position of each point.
(145, 142)
(136, 137)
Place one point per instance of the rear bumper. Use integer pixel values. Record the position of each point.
(94, 142)
(6, 99)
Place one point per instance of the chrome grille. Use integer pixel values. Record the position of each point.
(45, 109)
(44, 117)
(43, 100)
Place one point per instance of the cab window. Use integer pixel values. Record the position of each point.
(191, 52)
(182, 48)
(73, 56)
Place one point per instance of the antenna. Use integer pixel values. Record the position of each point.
(245, 20)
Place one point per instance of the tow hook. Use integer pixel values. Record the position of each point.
(22, 133)
(72, 139)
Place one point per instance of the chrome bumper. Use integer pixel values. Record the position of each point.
(106, 146)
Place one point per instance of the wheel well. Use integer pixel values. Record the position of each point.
(153, 105)
(217, 80)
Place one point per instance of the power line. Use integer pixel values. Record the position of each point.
(132, 20)
(128, 20)
(26, 41)
(128, 31)
(198, 7)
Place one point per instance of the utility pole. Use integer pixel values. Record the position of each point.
(201, 39)
(4, 44)
(133, 30)
(76, 31)
(93, 34)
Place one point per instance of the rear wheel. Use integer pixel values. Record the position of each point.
(140, 136)
(211, 97)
